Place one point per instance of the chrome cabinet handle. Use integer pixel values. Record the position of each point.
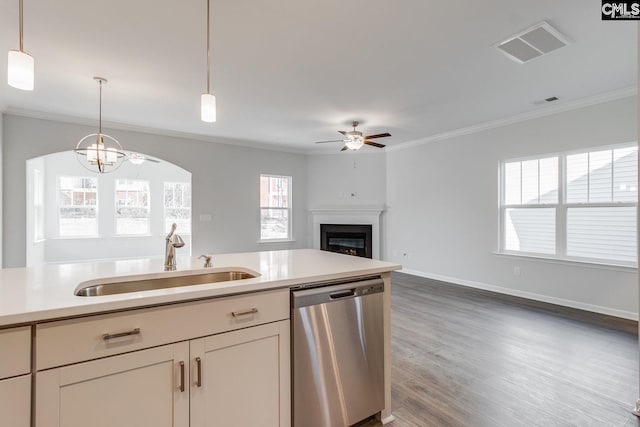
(181, 387)
(244, 312)
(198, 372)
(107, 337)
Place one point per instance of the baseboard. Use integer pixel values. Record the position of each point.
(629, 315)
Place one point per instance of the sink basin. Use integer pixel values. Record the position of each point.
(94, 288)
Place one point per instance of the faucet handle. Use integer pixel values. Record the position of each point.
(207, 260)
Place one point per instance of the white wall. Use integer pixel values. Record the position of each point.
(225, 182)
(347, 179)
(443, 209)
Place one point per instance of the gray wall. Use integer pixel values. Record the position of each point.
(443, 209)
(225, 182)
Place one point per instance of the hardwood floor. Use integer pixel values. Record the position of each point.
(465, 357)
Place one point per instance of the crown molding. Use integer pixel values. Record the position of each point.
(43, 115)
(548, 111)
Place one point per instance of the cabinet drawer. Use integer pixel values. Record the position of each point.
(15, 351)
(75, 340)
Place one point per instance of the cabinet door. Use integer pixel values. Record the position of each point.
(244, 378)
(15, 401)
(141, 388)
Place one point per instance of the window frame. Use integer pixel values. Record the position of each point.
(147, 233)
(289, 209)
(96, 232)
(562, 207)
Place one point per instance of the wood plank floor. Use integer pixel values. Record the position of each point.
(465, 357)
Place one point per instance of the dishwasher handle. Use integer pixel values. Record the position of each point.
(334, 293)
(342, 294)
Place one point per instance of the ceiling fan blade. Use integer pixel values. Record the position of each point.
(379, 135)
(375, 144)
(344, 132)
(150, 159)
(333, 140)
(344, 148)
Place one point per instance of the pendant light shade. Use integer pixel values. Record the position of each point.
(20, 64)
(208, 108)
(20, 70)
(99, 152)
(208, 100)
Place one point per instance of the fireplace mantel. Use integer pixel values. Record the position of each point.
(349, 215)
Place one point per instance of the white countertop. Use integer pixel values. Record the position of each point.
(47, 292)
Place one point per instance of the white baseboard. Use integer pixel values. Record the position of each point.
(529, 295)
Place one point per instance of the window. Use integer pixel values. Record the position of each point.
(77, 206)
(579, 206)
(275, 207)
(177, 206)
(132, 207)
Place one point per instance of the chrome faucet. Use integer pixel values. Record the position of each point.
(173, 241)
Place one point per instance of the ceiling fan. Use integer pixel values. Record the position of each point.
(354, 139)
(138, 158)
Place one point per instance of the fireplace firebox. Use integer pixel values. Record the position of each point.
(350, 239)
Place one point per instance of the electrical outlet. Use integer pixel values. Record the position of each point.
(516, 271)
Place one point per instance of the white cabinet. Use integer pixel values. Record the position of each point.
(96, 371)
(15, 379)
(15, 401)
(241, 378)
(135, 389)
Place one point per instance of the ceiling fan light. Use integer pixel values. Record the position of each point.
(355, 143)
(20, 70)
(208, 108)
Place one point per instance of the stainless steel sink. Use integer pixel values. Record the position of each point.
(109, 286)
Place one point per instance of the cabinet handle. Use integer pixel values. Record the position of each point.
(198, 372)
(244, 312)
(107, 337)
(181, 388)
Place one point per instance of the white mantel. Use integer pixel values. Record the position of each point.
(369, 215)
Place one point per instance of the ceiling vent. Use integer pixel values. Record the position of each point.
(532, 43)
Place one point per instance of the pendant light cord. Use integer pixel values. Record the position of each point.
(208, 48)
(21, 37)
(100, 110)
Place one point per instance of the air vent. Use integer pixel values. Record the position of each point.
(532, 43)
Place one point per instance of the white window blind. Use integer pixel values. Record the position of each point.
(530, 193)
(594, 220)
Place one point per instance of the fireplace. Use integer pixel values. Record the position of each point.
(350, 239)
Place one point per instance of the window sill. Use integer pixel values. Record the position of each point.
(269, 242)
(578, 263)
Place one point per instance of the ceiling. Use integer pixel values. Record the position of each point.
(287, 73)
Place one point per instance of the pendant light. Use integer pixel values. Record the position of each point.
(208, 100)
(20, 64)
(99, 152)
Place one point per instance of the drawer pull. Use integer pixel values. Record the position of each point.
(244, 312)
(198, 372)
(181, 387)
(107, 337)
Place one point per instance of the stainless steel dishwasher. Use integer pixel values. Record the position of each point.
(338, 353)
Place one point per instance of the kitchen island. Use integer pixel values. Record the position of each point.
(189, 335)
